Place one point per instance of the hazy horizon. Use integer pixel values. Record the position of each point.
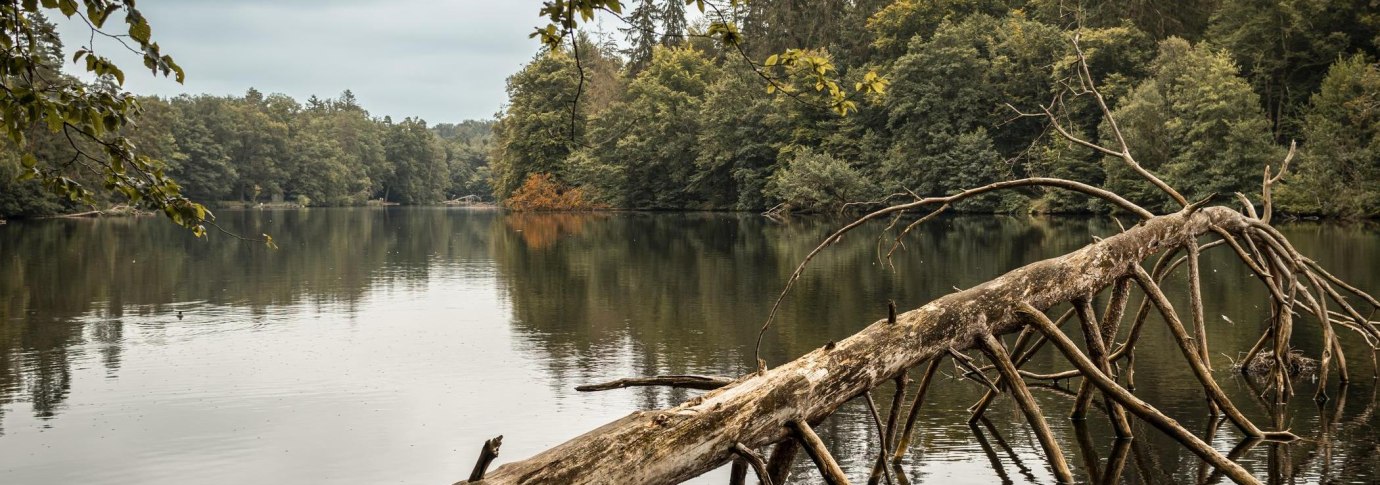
(443, 61)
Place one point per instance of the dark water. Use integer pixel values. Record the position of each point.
(386, 345)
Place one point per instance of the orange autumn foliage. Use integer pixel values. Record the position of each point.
(541, 192)
(542, 229)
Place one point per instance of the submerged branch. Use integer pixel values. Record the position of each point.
(686, 381)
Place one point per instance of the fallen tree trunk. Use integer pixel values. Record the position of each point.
(679, 443)
(780, 405)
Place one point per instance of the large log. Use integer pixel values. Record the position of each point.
(675, 444)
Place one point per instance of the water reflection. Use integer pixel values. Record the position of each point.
(366, 314)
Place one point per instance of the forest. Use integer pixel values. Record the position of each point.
(895, 110)
(662, 115)
(258, 148)
(1209, 92)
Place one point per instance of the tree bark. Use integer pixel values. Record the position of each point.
(675, 444)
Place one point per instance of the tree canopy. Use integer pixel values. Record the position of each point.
(720, 105)
(1209, 94)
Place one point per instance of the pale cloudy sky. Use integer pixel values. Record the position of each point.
(443, 60)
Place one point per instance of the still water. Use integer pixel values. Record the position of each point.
(384, 345)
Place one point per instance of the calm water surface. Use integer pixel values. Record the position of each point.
(384, 345)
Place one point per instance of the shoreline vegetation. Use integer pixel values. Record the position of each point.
(1208, 96)
(673, 120)
(124, 211)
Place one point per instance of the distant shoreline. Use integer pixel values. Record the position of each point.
(121, 211)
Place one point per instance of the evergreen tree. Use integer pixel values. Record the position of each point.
(1285, 46)
(737, 147)
(949, 93)
(673, 23)
(1338, 172)
(1196, 123)
(641, 35)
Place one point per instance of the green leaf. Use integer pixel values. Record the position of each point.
(111, 122)
(95, 14)
(139, 30)
(67, 7)
(178, 73)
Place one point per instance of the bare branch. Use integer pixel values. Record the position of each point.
(828, 467)
(996, 352)
(1124, 154)
(758, 465)
(685, 381)
(1138, 407)
(1268, 182)
(881, 437)
(1200, 370)
(904, 445)
(970, 370)
(945, 200)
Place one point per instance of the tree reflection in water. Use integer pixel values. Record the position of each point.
(595, 296)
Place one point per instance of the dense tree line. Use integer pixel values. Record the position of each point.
(1208, 93)
(260, 148)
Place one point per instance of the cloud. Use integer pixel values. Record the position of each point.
(442, 60)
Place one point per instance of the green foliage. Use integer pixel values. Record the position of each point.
(807, 70)
(641, 34)
(738, 141)
(709, 116)
(23, 198)
(893, 27)
(772, 27)
(538, 129)
(420, 172)
(674, 23)
(650, 138)
(65, 136)
(1340, 164)
(819, 182)
(1195, 122)
(36, 98)
(1117, 58)
(468, 146)
(940, 119)
(1285, 46)
(1186, 19)
(256, 148)
(949, 90)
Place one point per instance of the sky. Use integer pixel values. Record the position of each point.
(443, 60)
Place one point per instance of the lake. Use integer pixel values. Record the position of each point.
(384, 345)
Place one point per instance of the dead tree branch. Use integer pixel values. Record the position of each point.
(686, 381)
